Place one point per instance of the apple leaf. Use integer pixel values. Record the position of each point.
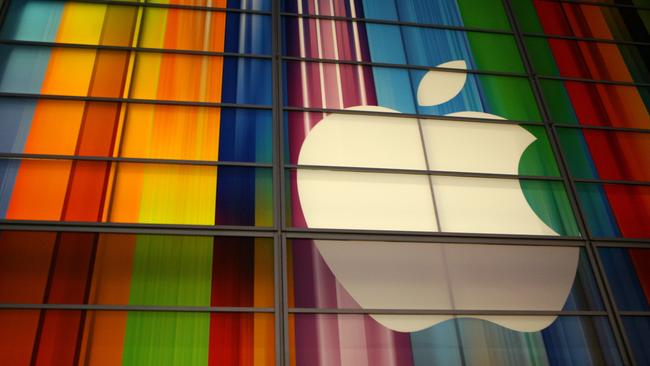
(437, 87)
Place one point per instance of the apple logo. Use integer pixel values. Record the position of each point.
(382, 275)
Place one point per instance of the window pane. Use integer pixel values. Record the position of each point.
(615, 210)
(584, 103)
(381, 43)
(327, 85)
(103, 73)
(42, 126)
(135, 193)
(325, 338)
(469, 13)
(70, 22)
(135, 337)
(205, 31)
(590, 60)
(130, 269)
(437, 276)
(637, 329)
(261, 5)
(393, 201)
(583, 20)
(376, 141)
(606, 154)
(628, 273)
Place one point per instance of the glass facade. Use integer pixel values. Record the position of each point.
(325, 182)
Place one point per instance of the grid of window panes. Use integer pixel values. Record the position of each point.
(325, 182)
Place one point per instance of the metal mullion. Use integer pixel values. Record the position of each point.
(612, 181)
(598, 3)
(384, 311)
(215, 163)
(168, 6)
(285, 303)
(442, 173)
(634, 313)
(402, 66)
(598, 272)
(4, 7)
(592, 81)
(585, 39)
(133, 101)
(135, 228)
(411, 115)
(603, 128)
(395, 22)
(160, 308)
(617, 243)
(427, 236)
(134, 49)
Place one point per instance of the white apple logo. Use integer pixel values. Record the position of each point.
(431, 276)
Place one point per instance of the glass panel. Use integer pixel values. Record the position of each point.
(360, 41)
(583, 103)
(606, 154)
(583, 20)
(135, 193)
(103, 73)
(637, 329)
(70, 22)
(135, 337)
(324, 339)
(261, 5)
(376, 141)
(135, 269)
(146, 130)
(590, 60)
(469, 13)
(435, 276)
(205, 31)
(393, 201)
(616, 210)
(333, 86)
(628, 273)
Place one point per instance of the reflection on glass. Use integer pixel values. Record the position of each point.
(637, 329)
(436, 276)
(616, 210)
(358, 340)
(383, 201)
(135, 193)
(606, 154)
(136, 337)
(129, 269)
(628, 273)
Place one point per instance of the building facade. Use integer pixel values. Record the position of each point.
(325, 182)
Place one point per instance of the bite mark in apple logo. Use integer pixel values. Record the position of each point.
(431, 276)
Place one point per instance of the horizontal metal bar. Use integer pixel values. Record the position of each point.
(24, 156)
(97, 307)
(622, 243)
(585, 39)
(134, 49)
(592, 81)
(447, 312)
(634, 313)
(133, 101)
(428, 236)
(599, 3)
(604, 128)
(286, 15)
(133, 228)
(167, 6)
(411, 115)
(612, 181)
(443, 173)
(402, 66)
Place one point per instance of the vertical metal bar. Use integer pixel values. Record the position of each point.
(569, 184)
(278, 189)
